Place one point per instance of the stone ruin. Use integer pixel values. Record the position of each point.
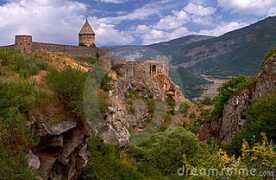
(150, 73)
(137, 70)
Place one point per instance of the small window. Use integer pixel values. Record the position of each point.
(153, 69)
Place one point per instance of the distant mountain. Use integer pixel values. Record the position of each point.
(136, 52)
(155, 51)
(167, 47)
(237, 52)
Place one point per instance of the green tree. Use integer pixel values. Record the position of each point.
(261, 118)
(169, 150)
(228, 89)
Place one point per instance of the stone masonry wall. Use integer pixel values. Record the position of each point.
(68, 49)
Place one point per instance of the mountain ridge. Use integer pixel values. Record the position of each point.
(234, 53)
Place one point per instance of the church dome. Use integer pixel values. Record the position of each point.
(86, 29)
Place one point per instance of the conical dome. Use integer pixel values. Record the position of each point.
(86, 28)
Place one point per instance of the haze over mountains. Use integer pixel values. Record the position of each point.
(237, 52)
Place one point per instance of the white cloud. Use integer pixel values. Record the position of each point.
(57, 21)
(254, 7)
(175, 25)
(176, 20)
(108, 35)
(112, 1)
(152, 35)
(199, 10)
(195, 13)
(142, 13)
(223, 28)
(53, 20)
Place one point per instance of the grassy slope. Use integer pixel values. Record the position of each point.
(23, 88)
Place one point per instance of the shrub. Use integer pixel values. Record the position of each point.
(21, 63)
(98, 74)
(261, 156)
(228, 89)
(207, 101)
(68, 86)
(261, 118)
(91, 60)
(107, 162)
(106, 83)
(270, 53)
(151, 105)
(17, 98)
(131, 94)
(171, 104)
(168, 150)
(184, 107)
(14, 166)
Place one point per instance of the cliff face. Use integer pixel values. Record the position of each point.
(62, 149)
(119, 119)
(232, 118)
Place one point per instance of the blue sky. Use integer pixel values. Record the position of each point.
(122, 22)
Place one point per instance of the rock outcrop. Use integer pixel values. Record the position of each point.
(233, 113)
(118, 119)
(62, 149)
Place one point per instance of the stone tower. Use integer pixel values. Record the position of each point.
(87, 35)
(23, 42)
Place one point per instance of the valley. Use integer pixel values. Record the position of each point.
(235, 53)
(211, 90)
(196, 107)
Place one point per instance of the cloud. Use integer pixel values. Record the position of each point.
(199, 10)
(176, 20)
(53, 20)
(108, 35)
(175, 24)
(149, 9)
(191, 13)
(254, 7)
(57, 21)
(150, 35)
(223, 28)
(112, 1)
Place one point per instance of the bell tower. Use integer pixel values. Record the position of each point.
(87, 35)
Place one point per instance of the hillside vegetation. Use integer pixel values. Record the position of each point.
(160, 155)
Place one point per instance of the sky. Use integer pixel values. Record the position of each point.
(127, 22)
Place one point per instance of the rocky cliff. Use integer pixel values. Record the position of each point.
(233, 113)
(62, 148)
(124, 112)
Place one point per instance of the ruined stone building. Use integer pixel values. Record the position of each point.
(150, 73)
(145, 69)
(86, 47)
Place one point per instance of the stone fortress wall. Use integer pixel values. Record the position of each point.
(25, 43)
(87, 46)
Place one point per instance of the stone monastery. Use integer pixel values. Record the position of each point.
(87, 47)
